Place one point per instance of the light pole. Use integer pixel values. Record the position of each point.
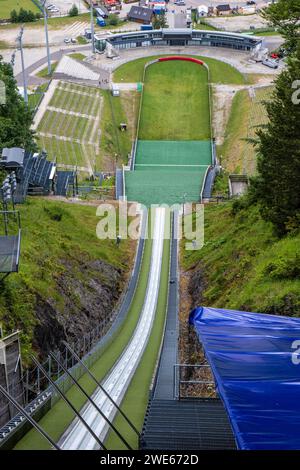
(46, 35)
(12, 60)
(19, 39)
(92, 26)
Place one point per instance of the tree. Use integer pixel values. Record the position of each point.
(159, 21)
(73, 11)
(15, 118)
(277, 185)
(24, 16)
(285, 16)
(113, 20)
(14, 16)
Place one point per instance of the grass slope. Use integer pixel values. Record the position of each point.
(175, 102)
(243, 265)
(60, 416)
(6, 6)
(46, 243)
(236, 154)
(220, 72)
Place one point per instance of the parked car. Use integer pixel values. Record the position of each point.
(272, 63)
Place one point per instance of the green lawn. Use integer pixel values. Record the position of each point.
(64, 152)
(117, 110)
(44, 72)
(65, 97)
(205, 27)
(220, 72)
(60, 416)
(175, 102)
(35, 98)
(6, 6)
(77, 56)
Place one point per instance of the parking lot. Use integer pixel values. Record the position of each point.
(64, 6)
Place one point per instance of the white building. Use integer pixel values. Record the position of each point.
(202, 10)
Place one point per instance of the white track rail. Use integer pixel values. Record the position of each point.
(116, 383)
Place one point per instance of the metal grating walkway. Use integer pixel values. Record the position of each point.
(197, 424)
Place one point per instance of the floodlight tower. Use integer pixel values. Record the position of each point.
(20, 41)
(43, 3)
(92, 26)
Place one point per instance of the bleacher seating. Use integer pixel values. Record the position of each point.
(39, 176)
(64, 181)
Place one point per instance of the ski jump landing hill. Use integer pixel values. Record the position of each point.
(173, 151)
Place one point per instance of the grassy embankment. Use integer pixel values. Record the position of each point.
(80, 141)
(6, 6)
(54, 237)
(220, 72)
(237, 155)
(243, 265)
(60, 416)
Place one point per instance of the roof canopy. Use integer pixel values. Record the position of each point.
(254, 360)
(12, 157)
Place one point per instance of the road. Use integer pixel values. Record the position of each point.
(116, 383)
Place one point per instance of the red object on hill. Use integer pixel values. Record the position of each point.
(175, 57)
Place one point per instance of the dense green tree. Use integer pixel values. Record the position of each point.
(23, 16)
(113, 20)
(15, 117)
(159, 21)
(285, 16)
(14, 16)
(277, 185)
(73, 11)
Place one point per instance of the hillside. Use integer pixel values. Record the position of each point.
(242, 264)
(69, 280)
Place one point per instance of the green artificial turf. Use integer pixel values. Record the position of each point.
(136, 399)
(60, 416)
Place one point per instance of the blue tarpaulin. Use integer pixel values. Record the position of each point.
(254, 360)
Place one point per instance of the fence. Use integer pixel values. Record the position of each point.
(193, 381)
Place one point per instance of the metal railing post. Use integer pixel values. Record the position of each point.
(103, 389)
(29, 418)
(69, 403)
(93, 403)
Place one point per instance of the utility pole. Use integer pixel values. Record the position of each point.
(20, 41)
(46, 35)
(92, 26)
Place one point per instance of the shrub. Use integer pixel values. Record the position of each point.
(113, 20)
(73, 11)
(24, 16)
(55, 213)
